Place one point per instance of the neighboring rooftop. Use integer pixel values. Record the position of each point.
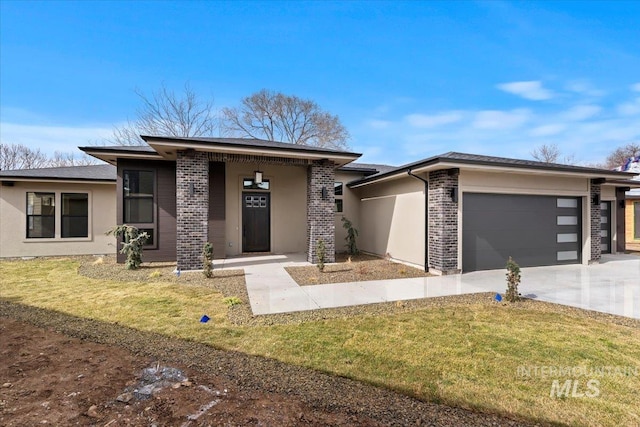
(73, 173)
(369, 168)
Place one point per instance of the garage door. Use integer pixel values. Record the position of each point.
(533, 230)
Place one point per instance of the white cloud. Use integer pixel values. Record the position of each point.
(430, 121)
(629, 108)
(379, 124)
(497, 120)
(581, 112)
(584, 87)
(547, 130)
(635, 87)
(531, 90)
(52, 138)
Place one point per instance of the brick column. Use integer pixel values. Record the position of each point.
(192, 208)
(320, 213)
(443, 222)
(596, 214)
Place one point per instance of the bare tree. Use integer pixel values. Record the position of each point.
(18, 156)
(168, 114)
(550, 153)
(546, 153)
(278, 117)
(61, 159)
(620, 155)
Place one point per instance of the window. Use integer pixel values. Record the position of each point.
(138, 189)
(41, 219)
(337, 191)
(75, 215)
(636, 220)
(249, 184)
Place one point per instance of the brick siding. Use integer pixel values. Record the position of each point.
(192, 208)
(443, 222)
(320, 216)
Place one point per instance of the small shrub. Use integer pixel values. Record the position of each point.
(132, 243)
(155, 274)
(352, 233)
(207, 260)
(321, 252)
(231, 301)
(513, 280)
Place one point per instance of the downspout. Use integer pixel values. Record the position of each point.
(426, 219)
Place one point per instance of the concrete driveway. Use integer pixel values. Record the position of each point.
(613, 286)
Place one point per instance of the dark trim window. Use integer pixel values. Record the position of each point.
(338, 189)
(249, 184)
(138, 196)
(636, 220)
(75, 215)
(41, 215)
(139, 202)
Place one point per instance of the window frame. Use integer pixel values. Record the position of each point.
(636, 220)
(62, 215)
(338, 199)
(143, 226)
(32, 215)
(254, 186)
(58, 215)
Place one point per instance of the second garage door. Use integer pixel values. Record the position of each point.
(533, 230)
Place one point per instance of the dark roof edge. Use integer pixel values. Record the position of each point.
(122, 151)
(149, 139)
(52, 178)
(456, 160)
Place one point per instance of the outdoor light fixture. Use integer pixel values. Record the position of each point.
(257, 177)
(192, 189)
(621, 204)
(454, 194)
(596, 199)
(324, 193)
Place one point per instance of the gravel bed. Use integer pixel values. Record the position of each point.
(319, 390)
(357, 268)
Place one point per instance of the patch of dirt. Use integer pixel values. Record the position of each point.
(356, 268)
(51, 379)
(62, 370)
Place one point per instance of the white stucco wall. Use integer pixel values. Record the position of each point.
(392, 219)
(13, 220)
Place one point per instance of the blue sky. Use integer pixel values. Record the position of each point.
(408, 79)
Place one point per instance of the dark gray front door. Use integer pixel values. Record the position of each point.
(605, 227)
(256, 232)
(533, 230)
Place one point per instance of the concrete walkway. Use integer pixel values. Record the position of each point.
(613, 286)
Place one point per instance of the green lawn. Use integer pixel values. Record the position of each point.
(459, 355)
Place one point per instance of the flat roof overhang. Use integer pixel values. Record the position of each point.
(56, 180)
(168, 147)
(609, 176)
(111, 156)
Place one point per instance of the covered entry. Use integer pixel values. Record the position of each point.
(533, 230)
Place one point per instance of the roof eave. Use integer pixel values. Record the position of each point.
(57, 179)
(167, 148)
(111, 156)
(444, 163)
